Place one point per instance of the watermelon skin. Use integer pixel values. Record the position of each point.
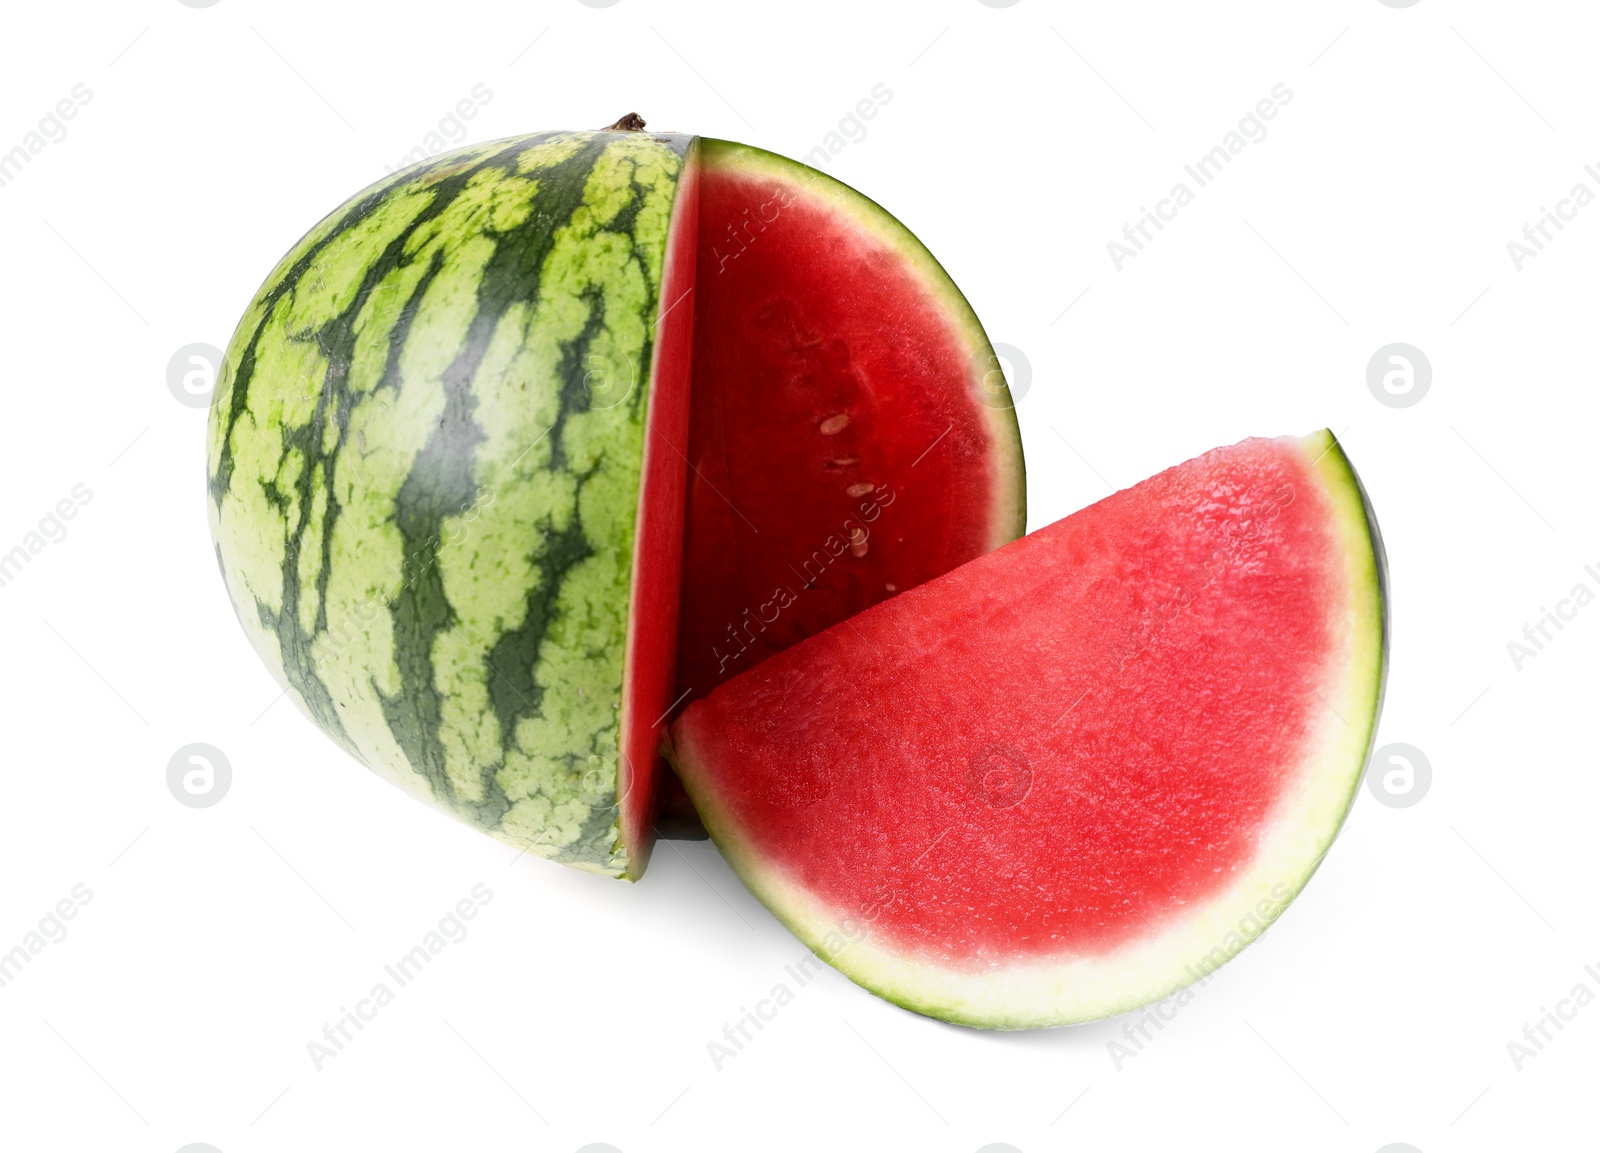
(424, 464)
(1124, 831)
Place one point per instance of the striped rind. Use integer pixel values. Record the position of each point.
(1043, 992)
(424, 463)
(985, 382)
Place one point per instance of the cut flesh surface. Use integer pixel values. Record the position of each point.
(848, 433)
(656, 586)
(841, 448)
(1080, 772)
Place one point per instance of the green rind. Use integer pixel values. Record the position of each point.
(424, 462)
(986, 383)
(1046, 998)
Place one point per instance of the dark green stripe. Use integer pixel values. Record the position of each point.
(336, 338)
(442, 483)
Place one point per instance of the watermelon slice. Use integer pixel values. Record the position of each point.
(1078, 773)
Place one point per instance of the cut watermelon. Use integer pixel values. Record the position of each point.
(1080, 772)
(497, 427)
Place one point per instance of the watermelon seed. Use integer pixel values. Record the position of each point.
(890, 588)
(861, 489)
(858, 542)
(843, 461)
(834, 424)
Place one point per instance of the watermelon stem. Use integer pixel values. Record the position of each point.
(632, 122)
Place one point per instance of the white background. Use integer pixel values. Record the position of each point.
(1018, 142)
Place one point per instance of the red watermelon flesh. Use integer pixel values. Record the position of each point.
(839, 453)
(848, 434)
(1077, 773)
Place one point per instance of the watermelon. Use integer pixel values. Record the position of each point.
(528, 445)
(1077, 773)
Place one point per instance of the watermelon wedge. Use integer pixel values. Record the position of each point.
(1077, 773)
(526, 446)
